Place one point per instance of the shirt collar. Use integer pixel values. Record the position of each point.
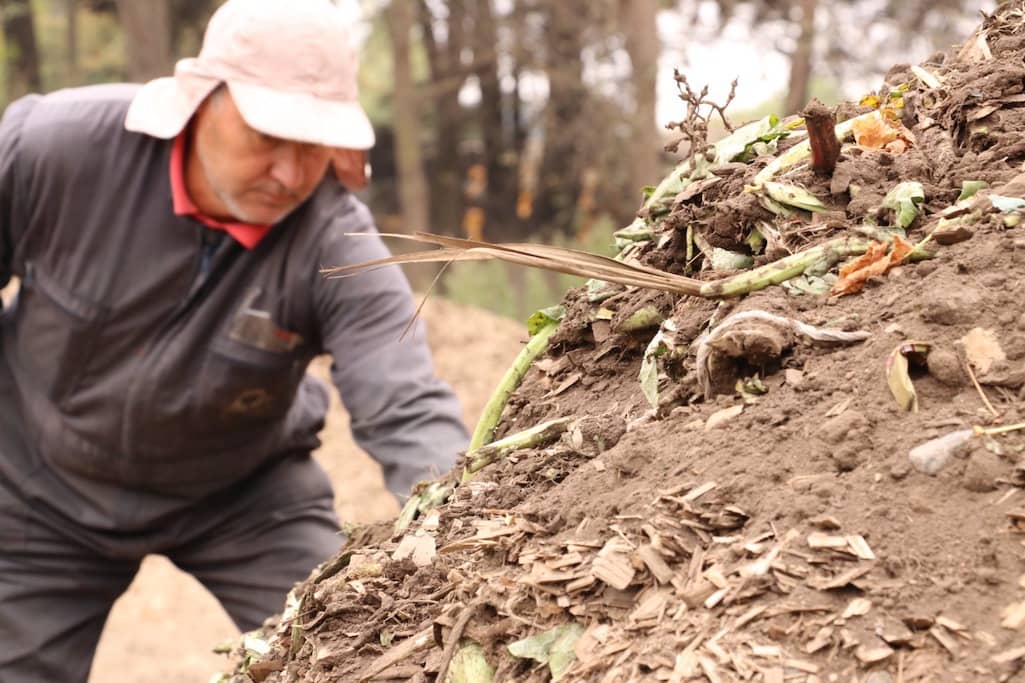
(246, 234)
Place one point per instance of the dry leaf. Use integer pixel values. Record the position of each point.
(875, 261)
(982, 349)
(880, 132)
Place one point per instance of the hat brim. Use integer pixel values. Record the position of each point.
(163, 107)
(303, 117)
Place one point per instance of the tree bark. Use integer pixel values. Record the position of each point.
(638, 19)
(801, 61)
(22, 52)
(406, 119)
(71, 12)
(443, 59)
(490, 114)
(146, 26)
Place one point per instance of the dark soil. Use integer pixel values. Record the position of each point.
(786, 539)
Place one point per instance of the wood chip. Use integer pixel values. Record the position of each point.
(801, 665)
(870, 653)
(716, 597)
(819, 540)
(825, 523)
(422, 549)
(949, 623)
(1013, 616)
(767, 651)
(612, 566)
(894, 632)
(822, 639)
(710, 669)
(581, 583)
(749, 616)
(859, 545)
(839, 408)
(773, 675)
(655, 564)
(722, 417)
(858, 607)
(651, 605)
(699, 491)
(943, 638)
(1010, 656)
(841, 580)
(715, 576)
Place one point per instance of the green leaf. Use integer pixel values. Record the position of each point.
(1006, 204)
(543, 318)
(648, 190)
(795, 196)
(969, 188)
(553, 647)
(755, 240)
(905, 200)
(736, 144)
(469, 665)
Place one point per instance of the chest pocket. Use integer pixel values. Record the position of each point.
(250, 376)
(56, 333)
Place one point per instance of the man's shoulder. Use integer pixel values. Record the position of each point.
(91, 113)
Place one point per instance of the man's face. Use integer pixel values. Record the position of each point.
(245, 174)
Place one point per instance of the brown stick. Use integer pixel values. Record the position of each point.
(454, 637)
(825, 147)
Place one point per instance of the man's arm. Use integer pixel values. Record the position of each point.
(402, 415)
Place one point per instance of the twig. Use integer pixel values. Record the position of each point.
(453, 638)
(978, 387)
(993, 431)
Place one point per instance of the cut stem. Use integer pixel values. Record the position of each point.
(993, 431)
(485, 430)
(539, 435)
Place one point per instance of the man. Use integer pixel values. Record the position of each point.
(153, 396)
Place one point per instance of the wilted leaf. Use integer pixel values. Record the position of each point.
(904, 200)
(728, 261)
(553, 647)
(660, 344)
(982, 349)
(794, 195)
(875, 261)
(898, 377)
(469, 665)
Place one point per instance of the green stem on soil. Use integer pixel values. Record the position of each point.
(779, 271)
(485, 430)
(540, 435)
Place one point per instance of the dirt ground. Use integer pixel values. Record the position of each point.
(165, 627)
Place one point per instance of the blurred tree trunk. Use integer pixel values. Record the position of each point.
(413, 196)
(446, 80)
(638, 20)
(562, 167)
(21, 51)
(146, 25)
(801, 61)
(490, 113)
(71, 15)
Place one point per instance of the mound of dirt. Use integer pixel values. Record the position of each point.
(754, 513)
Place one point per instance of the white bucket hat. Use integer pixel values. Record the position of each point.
(291, 67)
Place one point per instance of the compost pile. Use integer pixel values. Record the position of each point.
(790, 474)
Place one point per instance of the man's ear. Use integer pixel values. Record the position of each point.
(351, 167)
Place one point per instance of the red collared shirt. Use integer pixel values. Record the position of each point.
(246, 234)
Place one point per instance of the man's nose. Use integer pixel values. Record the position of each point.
(287, 168)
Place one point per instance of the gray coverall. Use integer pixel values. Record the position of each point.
(153, 393)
